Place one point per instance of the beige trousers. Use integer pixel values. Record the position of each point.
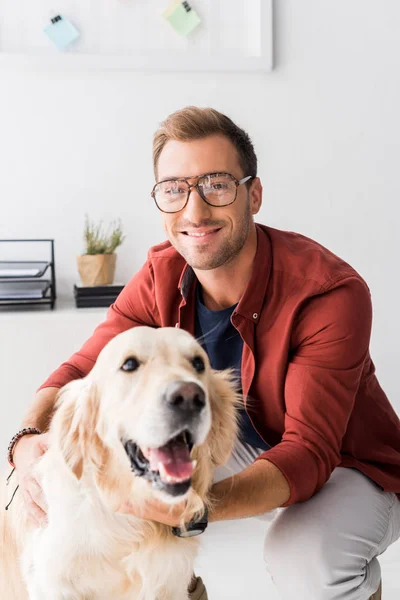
(327, 547)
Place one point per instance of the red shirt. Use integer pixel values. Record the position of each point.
(305, 319)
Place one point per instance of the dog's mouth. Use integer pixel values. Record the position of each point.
(169, 468)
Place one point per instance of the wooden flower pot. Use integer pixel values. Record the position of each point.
(96, 269)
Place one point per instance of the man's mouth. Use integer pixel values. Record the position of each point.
(201, 233)
(169, 468)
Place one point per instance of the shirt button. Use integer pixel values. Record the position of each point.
(255, 315)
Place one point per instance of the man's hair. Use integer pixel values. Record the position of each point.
(194, 123)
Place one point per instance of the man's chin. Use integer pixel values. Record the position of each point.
(204, 263)
(205, 257)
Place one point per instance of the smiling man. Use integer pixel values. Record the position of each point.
(319, 438)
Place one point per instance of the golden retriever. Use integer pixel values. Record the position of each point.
(152, 419)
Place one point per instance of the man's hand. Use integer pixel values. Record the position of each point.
(257, 489)
(155, 510)
(26, 453)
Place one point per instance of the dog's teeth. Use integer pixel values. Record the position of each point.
(169, 478)
(162, 471)
(145, 452)
(164, 475)
(194, 464)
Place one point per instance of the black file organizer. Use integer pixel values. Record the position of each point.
(22, 282)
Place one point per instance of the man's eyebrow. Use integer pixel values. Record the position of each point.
(168, 177)
(173, 177)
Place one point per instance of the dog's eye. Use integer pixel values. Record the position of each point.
(198, 364)
(131, 364)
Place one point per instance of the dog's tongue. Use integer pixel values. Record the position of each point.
(172, 461)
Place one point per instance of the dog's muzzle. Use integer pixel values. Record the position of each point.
(170, 468)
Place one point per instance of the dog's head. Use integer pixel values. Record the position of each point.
(151, 416)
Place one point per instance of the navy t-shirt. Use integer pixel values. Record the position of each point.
(224, 345)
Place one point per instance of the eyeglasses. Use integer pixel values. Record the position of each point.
(216, 189)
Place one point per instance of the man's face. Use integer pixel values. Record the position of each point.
(226, 228)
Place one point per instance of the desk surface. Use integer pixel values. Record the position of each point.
(64, 308)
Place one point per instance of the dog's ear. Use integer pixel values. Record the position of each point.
(75, 423)
(225, 401)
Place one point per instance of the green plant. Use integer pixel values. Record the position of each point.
(98, 241)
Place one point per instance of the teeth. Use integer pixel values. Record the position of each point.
(145, 452)
(197, 234)
(168, 478)
(194, 464)
(163, 472)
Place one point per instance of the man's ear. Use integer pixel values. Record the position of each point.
(255, 194)
(75, 423)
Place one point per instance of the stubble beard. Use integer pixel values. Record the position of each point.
(203, 260)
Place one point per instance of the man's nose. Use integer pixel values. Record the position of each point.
(196, 210)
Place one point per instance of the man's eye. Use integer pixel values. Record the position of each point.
(215, 186)
(131, 364)
(174, 191)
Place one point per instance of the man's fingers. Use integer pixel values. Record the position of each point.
(32, 491)
(36, 493)
(34, 511)
(126, 508)
(44, 443)
(155, 510)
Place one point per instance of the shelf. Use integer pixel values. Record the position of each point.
(24, 290)
(15, 269)
(21, 281)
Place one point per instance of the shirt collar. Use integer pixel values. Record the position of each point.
(250, 304)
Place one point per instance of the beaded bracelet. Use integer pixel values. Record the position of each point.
(16, 438)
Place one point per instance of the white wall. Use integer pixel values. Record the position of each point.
(325, 124)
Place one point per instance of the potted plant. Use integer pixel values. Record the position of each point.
(97, 265)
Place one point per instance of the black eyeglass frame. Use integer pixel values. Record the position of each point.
(199, 191)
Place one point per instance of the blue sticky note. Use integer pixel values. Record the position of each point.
(61, 32)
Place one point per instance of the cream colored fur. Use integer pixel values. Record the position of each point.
(89, 550)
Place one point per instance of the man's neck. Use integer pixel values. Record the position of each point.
(224, 286)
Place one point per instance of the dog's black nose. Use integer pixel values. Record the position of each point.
(185, 397)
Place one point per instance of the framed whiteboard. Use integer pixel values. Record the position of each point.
(234, 35)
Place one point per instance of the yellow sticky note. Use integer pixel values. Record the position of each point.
(183, 18)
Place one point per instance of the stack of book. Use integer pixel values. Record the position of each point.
(99, 295)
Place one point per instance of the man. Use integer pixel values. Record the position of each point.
(319, 437)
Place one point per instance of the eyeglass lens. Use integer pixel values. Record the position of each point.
(218, 189)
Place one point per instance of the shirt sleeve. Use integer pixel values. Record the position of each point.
(134, 306)
(330, 343)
